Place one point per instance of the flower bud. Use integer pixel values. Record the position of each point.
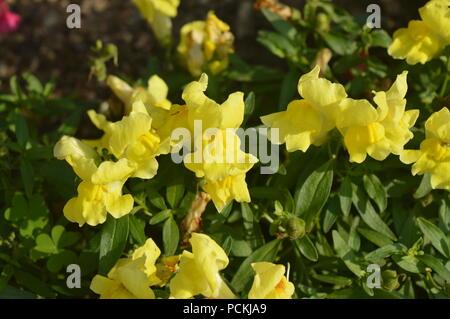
(390, 280)
(295, 228)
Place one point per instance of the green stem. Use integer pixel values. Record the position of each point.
(444, 85)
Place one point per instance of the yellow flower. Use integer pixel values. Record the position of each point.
(126, 280)
(392, 115)
(307, 121)
(158, 14)
(436, 14)
(154, 96)
(417, 44)
(223, 191)
(270, 282)
(377, 132)
(434, 154)
(423, 39)
(101, 193)
(229, 114)
(150, 252)
(205, 45)
(218, 156)
(133, 139)
(101, 189)
(199, 271)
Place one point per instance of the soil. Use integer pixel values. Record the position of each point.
(44, 46)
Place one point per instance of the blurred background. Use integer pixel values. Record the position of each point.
(44, 46)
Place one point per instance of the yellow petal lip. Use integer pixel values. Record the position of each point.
(199, 271)
(417, 44)
(269, 282)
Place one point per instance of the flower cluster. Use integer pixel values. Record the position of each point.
(145, 132)
(366, 130)
(188, 275)
(423, 39)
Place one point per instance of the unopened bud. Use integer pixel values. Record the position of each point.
(390, 280)
(295, 228)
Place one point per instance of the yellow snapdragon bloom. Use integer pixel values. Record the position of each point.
(199, 271)
(154, 96)
(101, 189)
(151, 253)
(205, 45)
(377, 132)
(132, 138)
(126, 280)
(270, 282)
(217, 156)
(158, 14)
(229, 114)
(423, 39)
(434, 154)
(225, 190)
(307, 121)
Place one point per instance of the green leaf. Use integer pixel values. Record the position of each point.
(10, 292)
(354, 241)
(171, 236)
(33, 84)
(435, 235)
(331, 213)
(339, 43)
(14, 86)
(313, 194)
(37, 216)
(57, 232)
(334, 280)
(444, 215)
(386, 251)
(282, 26)
(61, 260)
(174, 194)
(45, 244)
(137, 227)
(112, 243)
(27, 174)
(21, 129)
(409, 263)
(245, 272)
(375, 237)
(347, 255)
(277, 44)
(368, 214)
(345, 196)
(424, 187)
(249, 107)
(380, 38)
(25, 279)
(156, 199)
(288, 89)
(160, 217)
(436, 265)
(306, 247)
(375, 190)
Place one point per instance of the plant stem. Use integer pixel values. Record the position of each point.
(444, 85)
